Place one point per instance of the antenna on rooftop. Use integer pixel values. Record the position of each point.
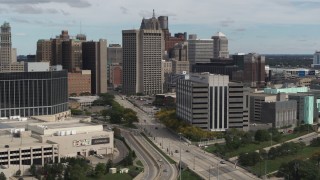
(153, 15)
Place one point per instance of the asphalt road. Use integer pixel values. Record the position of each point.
(196, 159)
(123, 151)
(151, 171)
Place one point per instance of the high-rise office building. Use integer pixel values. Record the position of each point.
(254, 70)
(72, 55)
(142, 54)
(5, 44)
(57, 47)
(220, 46)
(199, 50)
(202, 100)
(114, 64)
(44, 51)
(94, 55)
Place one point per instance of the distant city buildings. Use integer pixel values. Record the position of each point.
(220, 46)
(199, 50)
(5, 45)
(8, 55)
(316, 60)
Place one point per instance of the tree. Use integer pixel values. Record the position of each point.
(33, 170)
(73, 94)
(299, 169)
(76, 112)
(262, 135)
(18, 173)
(3, 176)
(249, 159)
(109, 165)
(100, 169)
(315, 142)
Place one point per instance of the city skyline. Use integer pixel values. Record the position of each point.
(265, 27)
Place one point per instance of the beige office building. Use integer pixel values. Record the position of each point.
(142, 56)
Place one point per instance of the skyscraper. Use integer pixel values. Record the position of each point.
(72, 55)
(44, 51)
(57, 47)
(94, 55)
(5, 44)
(199, 50)
(254, 70)
(142, 54)
(220, 46)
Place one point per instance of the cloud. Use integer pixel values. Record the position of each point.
(72, 3)
(27, 9)
(124, 10)
(226, 23)
(240, 29)
(3, 10)
(306, 4)
(19, 20)
(144, 13)
(20, 34)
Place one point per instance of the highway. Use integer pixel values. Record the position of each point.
(195, 158)
(123, 150)
(157, 167)
(151, 171)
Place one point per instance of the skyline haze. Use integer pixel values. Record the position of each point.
(265, 27)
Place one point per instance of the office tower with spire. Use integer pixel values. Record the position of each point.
(5, 45)
(220, 46)
(142, 54)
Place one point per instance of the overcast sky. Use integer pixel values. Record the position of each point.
(262, 26)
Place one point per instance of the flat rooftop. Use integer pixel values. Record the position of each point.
(81, 99)
(67, 124)
(15, 124)
(16, 142)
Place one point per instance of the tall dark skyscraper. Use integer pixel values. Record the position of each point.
(94, 55)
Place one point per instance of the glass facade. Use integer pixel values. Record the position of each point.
(308, 109)
(286, 90)
(33, 93)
